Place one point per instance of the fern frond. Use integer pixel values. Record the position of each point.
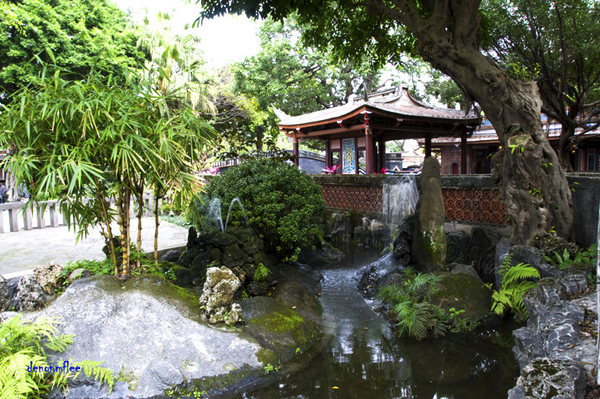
(521, 271)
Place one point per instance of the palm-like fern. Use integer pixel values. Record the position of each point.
(22, 350)
(516, 280)
(417, 317)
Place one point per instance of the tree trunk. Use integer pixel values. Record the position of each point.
(564, 147)
(532, 182)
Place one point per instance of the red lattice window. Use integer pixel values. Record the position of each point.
(359, 198)
(474, 205)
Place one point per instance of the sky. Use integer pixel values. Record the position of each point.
(224, 39)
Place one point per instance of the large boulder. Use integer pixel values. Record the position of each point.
(429, 242)
(462, 289)
(149, 333)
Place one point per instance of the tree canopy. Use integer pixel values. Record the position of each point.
(77, 35)
(447, 34)
(553, 43)
(90, 140)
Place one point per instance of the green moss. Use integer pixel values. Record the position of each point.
(129, 377)
(266, 356)
(158, 287)
(280, 322)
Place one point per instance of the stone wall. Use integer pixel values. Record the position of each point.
(468, 200)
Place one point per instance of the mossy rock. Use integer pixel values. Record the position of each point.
(465, 291)
(279, 328)
(183, 299)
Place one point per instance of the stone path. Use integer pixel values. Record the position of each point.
(21, 251)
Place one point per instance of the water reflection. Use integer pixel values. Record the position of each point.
(365, 358)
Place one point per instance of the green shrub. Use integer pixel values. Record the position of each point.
(283, 205)
(516, 280)
(417, 317)
(261, 272)
(24, 346)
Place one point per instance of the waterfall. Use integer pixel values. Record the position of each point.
(400, 196)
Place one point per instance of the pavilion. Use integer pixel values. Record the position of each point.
(361, 127)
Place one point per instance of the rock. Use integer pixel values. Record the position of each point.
(341, 231)
(547, 378)
(574, 282)
(403, 242)
(429, 241)
(79, 274)
(456, 243)
(183, 276)
(376, 275)
(549, 244)
(48, 276)
(281, 330)
(481, 252)
(30, 295)
(150, 334)
(217, 295)
(321, 256)
(502, 252)
(5, 296)
(554, 319)
(462, 289)
(171, 255)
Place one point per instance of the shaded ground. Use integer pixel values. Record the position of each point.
(22, 251)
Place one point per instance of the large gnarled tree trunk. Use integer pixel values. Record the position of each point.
(532, 182)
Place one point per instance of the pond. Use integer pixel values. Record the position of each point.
(366, 359)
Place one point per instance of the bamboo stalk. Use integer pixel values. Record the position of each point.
(110, 243)
(157, 223)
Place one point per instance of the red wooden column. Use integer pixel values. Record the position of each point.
(381, 155)
(369, 144)
(463, 155)
(427, 147)
(328, 160)
(295, 151)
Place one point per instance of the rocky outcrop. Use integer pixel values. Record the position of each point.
(48, 276)
(240, 250)
(429, 242)
(553, 351)
(149, 333)
(550, 378)
(5, 296)
(30, 295)
(216, 301)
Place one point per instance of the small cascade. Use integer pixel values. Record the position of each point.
(215, 216)
(400, 197)
(214, 213)
(233, 201)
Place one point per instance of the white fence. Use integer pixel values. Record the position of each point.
(17, 216)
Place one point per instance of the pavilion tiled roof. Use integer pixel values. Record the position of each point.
(396, 102)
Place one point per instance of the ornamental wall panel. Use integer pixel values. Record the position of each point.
(350, 197)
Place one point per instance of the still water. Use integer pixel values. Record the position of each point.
(365, 358)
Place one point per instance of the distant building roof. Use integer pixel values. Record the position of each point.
(395, 102)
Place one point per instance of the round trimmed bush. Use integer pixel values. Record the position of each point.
(283, 205)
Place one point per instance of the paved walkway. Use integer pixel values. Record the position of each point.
(22, 251)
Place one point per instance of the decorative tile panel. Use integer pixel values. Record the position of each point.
(474, 205)
(349, 156)
(359, 198)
